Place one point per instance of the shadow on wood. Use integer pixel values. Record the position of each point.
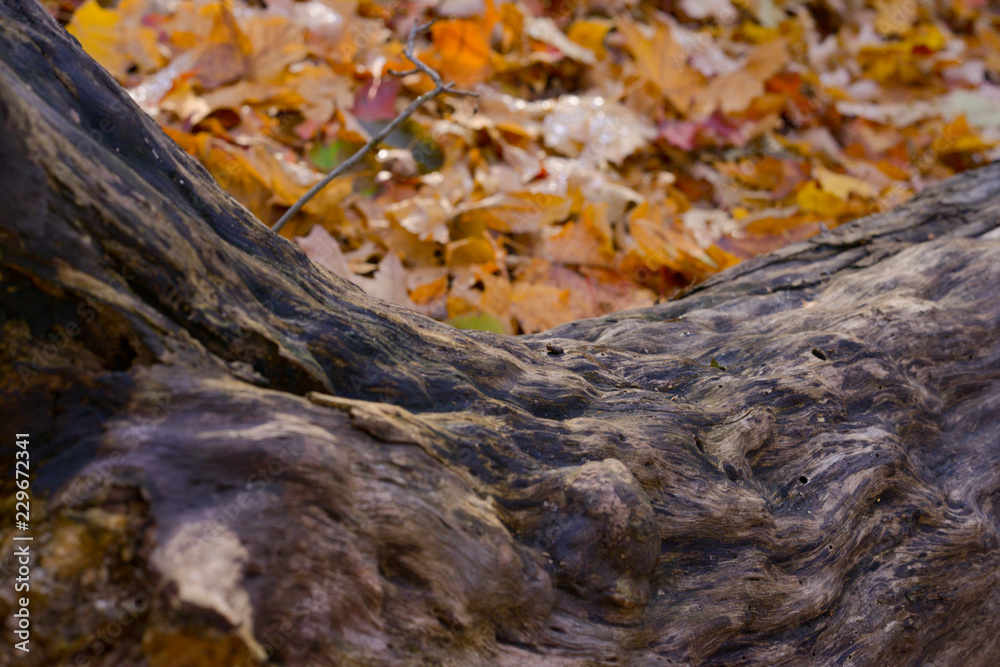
(241, 459)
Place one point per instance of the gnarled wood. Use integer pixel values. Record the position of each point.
(240, 458)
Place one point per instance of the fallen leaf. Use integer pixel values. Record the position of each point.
(323, 249)
(595, 128)
(538, 307)
(426, 217)
(427, 292)
(813, 198)
(97, 30)
(663, 62)
(479, 321)
(590, 33)
(842, 185)
(461, 50)
(733, 92)
(544, 30)
(388, 282)
(720, 10)
(376, 101)
(469, 251)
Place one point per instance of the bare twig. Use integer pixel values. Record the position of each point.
(439, 88)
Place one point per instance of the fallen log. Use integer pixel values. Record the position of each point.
(238, 458)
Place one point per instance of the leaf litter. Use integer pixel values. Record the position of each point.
(616, 153)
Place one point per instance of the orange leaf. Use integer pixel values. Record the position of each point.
(424, 294)
(662, 61)
(525, 211)
(661, 243)
(496, 293)
(461, 50)
(735, 91)
(539, 307)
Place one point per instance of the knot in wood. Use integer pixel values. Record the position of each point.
(603, 538)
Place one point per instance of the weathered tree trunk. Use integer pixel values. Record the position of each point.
(239, 457)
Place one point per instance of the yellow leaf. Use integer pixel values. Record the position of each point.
(458, 307)
(237, 176)
(586, 242)
(756, 34)
(225, 29)
(512, 21)
(590, 34)
(770, 225)
(225, 55)
(184, 39)
(842, 185)
(427, 217)
(573, 244)
(275, 43)
(595, 217)
(469, 251)
(722, 258)
(927, 37)
(813, 199)
(958, 137)
(97, 29)
(117, 39)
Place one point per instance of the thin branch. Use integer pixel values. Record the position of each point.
(439, 88)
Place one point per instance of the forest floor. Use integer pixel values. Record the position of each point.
(618, 151)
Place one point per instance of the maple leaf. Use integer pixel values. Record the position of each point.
(662, 61)
(734, 92)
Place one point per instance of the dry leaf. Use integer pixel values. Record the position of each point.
(841, 185)
(544, 30)
(599, 169)
(663, 62)
(538, 307)
(733, 92)
(461, 51)
(323, 249)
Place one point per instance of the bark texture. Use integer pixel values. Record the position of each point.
(239, 458)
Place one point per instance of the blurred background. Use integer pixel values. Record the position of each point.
(618, 152)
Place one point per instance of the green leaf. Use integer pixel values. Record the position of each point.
(716, 364)
(328, 156)
(480, 321)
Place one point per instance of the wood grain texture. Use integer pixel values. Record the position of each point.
(241, 459)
